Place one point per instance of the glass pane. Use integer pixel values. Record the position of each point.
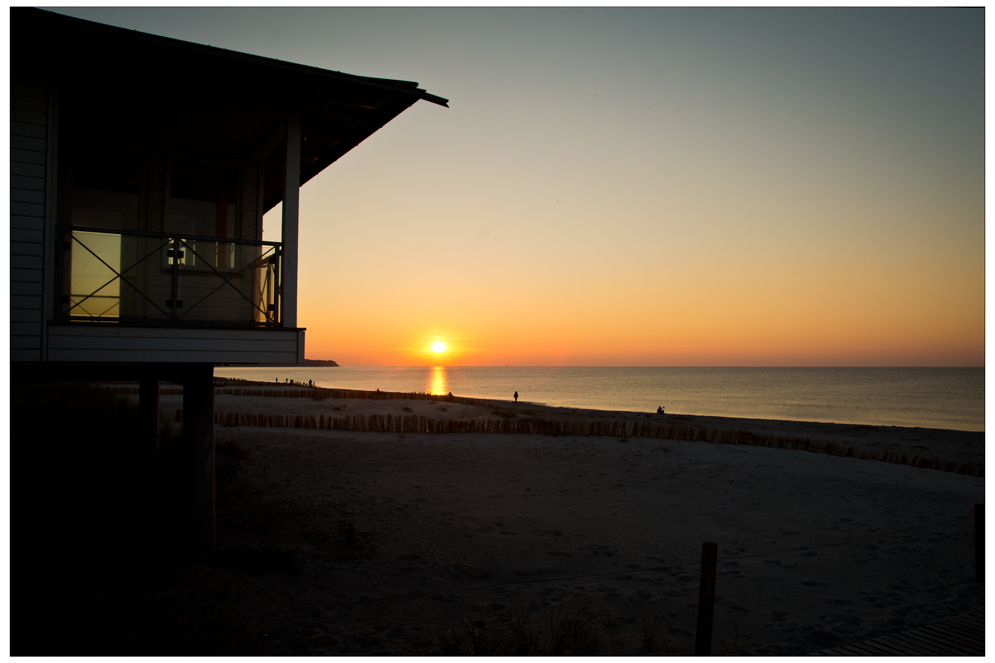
(95, 289)
(273, 224)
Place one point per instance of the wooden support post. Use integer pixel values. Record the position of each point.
(706, 600)
(148, 415)
(291, 212)
(979, 542)
(198, 441)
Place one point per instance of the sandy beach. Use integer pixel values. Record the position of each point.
(446, 543)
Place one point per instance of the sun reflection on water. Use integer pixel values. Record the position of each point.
(437, 381)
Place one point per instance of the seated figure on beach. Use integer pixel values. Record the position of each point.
(659, 410)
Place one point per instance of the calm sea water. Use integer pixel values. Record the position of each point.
(951, 398)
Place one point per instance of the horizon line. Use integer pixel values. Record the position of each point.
(340, 365)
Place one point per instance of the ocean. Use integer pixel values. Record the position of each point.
(949, 398)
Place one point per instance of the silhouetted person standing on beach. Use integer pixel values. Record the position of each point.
(516, 396)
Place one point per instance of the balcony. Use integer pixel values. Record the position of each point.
(167, 279)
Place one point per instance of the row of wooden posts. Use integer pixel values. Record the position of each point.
(422, 424)
(412, 423)
(296, 390)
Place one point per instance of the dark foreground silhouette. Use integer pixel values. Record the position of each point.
(100, 563)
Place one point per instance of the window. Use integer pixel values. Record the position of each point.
(105, 195)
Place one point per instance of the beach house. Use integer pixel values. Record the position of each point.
(141, 170)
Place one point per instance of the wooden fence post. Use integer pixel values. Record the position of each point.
(148, 416)
(979, 542)
(198, 440)
(706, 600)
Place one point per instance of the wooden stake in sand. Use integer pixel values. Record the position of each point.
(979, 542)
(706, 600)
(148, 416)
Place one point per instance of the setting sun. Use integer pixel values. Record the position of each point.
(438, 347)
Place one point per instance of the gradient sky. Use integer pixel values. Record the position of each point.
(649, 186)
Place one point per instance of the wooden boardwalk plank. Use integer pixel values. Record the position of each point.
(939, 643)
(906, 646)
(852, 650)
(961, 635)
(931, 647)
(953, 642)
(876, 649)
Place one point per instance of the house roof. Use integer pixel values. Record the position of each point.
(124, 83)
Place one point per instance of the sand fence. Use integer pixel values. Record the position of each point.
(529, 425)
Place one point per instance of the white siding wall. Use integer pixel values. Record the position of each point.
(28, 150)
(123, 344)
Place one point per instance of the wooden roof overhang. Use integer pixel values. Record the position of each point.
(122, 86)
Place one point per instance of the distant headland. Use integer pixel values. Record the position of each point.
(317, 362)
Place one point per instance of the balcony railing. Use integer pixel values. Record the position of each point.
(168, 278)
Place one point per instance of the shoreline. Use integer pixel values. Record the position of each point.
(871, 396)
(235, 382)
